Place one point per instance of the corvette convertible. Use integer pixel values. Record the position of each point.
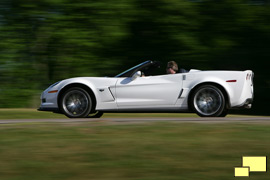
(142, 89)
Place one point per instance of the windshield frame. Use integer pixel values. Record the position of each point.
(133, 68)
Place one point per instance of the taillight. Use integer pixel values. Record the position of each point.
(252, 77)
(248, 77)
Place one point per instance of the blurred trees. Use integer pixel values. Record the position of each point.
(48, 40)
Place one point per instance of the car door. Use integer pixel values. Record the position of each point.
(148, 91)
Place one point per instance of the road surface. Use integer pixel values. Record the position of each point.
(255, 119)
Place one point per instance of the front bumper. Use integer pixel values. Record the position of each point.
(55, 110)
(48, 101)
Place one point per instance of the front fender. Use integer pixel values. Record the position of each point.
(102, 89)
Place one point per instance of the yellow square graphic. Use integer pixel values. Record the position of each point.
(241, 171)
(255, 163)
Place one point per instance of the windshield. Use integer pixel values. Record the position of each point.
(134, 67)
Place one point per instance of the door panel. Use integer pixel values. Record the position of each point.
(148, 91)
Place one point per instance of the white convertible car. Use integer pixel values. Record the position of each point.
(208, 93)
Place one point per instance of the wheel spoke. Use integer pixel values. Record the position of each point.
(75, 103)
(207, 101)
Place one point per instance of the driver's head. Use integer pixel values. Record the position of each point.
(172, 67)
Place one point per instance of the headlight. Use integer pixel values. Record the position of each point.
(54, 84)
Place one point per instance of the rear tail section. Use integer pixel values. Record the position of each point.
(248, 90)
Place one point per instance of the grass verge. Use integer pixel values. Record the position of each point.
(149, 151)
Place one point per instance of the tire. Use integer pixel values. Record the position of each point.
(209, 101)
(76, 103)
(96, 114)
(224, 113)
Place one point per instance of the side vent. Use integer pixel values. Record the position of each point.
(180, 94)
(184, 77)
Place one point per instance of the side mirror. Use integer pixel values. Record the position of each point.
(136, 74)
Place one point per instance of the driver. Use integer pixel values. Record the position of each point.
(172, 67)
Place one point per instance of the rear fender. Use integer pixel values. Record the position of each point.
(221, 84)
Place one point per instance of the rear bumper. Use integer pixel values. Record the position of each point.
(246, 105)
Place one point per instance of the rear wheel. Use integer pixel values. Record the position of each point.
(209, 101)
(76, 103)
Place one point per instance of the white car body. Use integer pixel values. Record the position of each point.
(166, 93)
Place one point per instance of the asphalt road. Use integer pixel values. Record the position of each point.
(254, 119)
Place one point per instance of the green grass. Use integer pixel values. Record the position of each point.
(149, 151)
(23, 113)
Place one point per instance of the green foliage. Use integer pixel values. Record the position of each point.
(47, 40)
(152, 151)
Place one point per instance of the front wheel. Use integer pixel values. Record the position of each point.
(96, 114)
(76, 103)
(209, 101)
